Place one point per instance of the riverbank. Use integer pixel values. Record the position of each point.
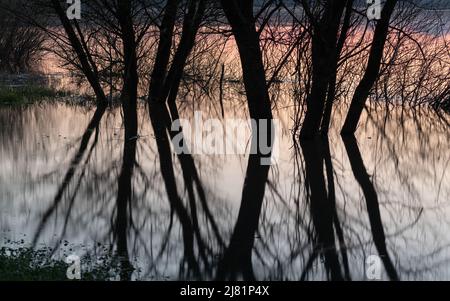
(27, 94)
(27, 264)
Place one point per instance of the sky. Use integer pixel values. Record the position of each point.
(426, 4)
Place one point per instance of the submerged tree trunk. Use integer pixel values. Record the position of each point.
(165, 79)
(324, 42)
(130, 74)
(240, 16)
(191, 25)
(128, 99)
(372, 70)
(331, 93)
(238, 256)
(159, 72)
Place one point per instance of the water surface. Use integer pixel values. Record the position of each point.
(327, 206)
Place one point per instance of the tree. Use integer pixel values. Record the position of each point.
(372, 69)
(242, 21)
(240, 16)
(130, 74)
(331, 92)
(324, 57)
(87, 65)
(166, 79)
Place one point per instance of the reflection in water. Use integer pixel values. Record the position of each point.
(318, 214)
(373, 209)
(74, 164)
(123, 221)
(161, 122)
(237, 258)
(323, 208)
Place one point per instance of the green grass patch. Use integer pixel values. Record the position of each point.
(25, 94)
(26, 264)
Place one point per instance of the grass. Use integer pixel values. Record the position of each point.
(25, 264)
(25, 94)
(28, 265)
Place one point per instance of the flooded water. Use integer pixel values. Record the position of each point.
(329, 209)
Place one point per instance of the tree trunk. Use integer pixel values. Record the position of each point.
(372, 70)
(191, 25)
(159, 72)
(130, 74)
(331, 93)
(240, 16)
(324, 42)
(82, 56)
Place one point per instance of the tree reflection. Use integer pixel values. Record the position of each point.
(373, 209)
(125, 197)
(162, 215)
(92, 127)
(237, 259)
(323, 209)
